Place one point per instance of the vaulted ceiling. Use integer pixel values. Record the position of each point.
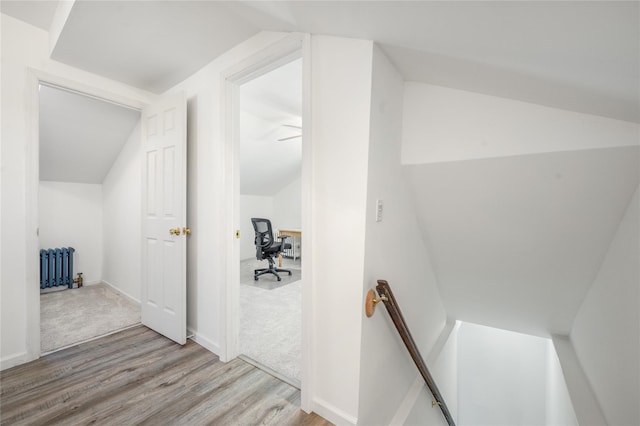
(576, 55)
(80, 137)
(270, 123)
(515, 240)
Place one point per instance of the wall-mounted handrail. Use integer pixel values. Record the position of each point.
(386, 296)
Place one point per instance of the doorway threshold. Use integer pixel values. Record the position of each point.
(293, 382)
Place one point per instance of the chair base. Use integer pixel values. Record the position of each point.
(270, 270)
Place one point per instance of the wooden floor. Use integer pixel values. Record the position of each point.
(139, 377)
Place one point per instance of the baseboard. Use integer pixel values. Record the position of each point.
(206, 343)
(331, 413)
(15, 359)
(123, 293)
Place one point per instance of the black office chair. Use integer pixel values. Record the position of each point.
(267, 247)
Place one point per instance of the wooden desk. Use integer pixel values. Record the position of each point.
(294, 233)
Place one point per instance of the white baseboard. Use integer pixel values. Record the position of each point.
(206, 343)
(333, 414)
(15, 359)
(123, 293)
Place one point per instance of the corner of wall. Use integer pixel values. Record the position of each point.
(585, 403)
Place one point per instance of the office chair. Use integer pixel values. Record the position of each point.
(267, 247)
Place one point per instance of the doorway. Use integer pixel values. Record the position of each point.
(270, 162)
(284, 51)
(89, 204)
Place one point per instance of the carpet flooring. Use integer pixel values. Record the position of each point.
(74, 315)
(270, 319)
(269, 281)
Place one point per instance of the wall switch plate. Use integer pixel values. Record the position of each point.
(379, 207)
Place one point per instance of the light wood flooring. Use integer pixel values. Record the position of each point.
(139, 377)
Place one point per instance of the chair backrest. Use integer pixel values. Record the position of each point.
(264, 235)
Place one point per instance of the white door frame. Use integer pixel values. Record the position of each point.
(34, 79)
(290, 47)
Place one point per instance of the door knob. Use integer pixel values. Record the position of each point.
(175, 231)
(186, 231)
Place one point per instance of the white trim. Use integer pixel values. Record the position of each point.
(32, 292)
(206, 343)
(94, 282)
(120, 292)
(333, 414)
(307, 242)
(285, 50)
(15, 359)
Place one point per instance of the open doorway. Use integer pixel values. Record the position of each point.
(89, 201)
(270, 163)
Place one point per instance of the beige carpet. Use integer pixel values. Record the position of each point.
(271, 320)
(75, 315)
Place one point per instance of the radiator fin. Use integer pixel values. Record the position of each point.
(56, 267)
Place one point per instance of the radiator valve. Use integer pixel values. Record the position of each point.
(78, 280)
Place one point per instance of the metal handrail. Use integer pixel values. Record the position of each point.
(386, 296)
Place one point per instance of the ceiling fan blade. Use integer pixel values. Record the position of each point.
(290, 137)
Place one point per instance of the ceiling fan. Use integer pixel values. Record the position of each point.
(291, 137)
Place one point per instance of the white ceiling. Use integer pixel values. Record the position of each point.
(517, 241)
(148, 44)
(80, 137)
(36, 13)
(269, 104)
(576, 55)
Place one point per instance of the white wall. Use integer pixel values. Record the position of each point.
(71, 216)
(24, 46)
(287, 206)
(283, 209)
(443, 365)
(252, 206)
(606, 331)
(340, 113)
(121, 192)
(558, 403)
(394, 251)
(461, 125)
(501, 377)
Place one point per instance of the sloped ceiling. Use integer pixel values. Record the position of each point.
(269, 106)
(517, 241)
(576, 55)
(151, 45)
(80, 137)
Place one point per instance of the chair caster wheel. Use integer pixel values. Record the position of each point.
(289, 273)
(255, 278)
(279, 279)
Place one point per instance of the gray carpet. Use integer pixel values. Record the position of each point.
(269, 281)
(75, 315)
(270, 319)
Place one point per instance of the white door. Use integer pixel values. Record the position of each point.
(164, 215)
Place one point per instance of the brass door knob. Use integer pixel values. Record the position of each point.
(186, 231)
(174, 231)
